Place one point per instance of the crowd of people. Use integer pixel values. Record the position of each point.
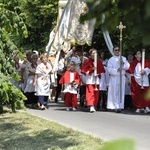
(119, 83)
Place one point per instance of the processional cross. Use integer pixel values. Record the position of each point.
(121, 27)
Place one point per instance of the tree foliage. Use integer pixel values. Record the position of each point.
(134, 14)
(11, 25)
(24, 24)
(40, 17)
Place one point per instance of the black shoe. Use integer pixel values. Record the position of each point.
(56, 100)
(118, 111)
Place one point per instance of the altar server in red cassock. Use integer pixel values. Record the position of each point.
(91, 82)
(71, 81)
(138, 94)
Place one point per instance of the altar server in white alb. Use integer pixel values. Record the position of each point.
(139, 71)
(92, 69)
(71, 81)
(42, 81)
(114, 69)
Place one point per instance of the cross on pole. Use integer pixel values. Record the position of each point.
(121, 27)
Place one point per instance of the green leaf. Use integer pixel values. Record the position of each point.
(122, 144)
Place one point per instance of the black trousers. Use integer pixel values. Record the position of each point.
(102, 100)
(58, 88)
(82, 95)
(128, 102)
(31, 98)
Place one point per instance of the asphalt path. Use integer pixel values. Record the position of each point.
(105, 125)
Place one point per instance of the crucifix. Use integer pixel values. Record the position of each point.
(121, 27)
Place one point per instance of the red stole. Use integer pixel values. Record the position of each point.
(89, 64)
(65, 79)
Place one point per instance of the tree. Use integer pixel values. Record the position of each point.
(134, 14)
(25, 24)
(12, 25)
(40, 18)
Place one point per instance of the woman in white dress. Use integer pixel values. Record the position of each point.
(30, 89)
(42, 81)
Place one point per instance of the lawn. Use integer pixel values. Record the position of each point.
(21, 131)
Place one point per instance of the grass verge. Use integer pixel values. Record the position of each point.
(21, 131)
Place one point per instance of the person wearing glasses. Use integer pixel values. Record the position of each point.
(116, 65)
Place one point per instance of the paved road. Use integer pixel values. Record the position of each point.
(105, 125)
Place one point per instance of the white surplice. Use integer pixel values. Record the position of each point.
(104, 80)
(138, 76)
(29, 86)
(114, 101)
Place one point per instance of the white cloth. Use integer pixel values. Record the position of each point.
(43, 79)
(61, 65)
(138, 76)
(91, 79)
(29, 86)
(68, 55)
(73, 30)
(114, 101)
(105, 62)
(108, 41)
(68, 87)
(104, 81)
(76, 59)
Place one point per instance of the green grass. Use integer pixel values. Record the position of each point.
(21, 131)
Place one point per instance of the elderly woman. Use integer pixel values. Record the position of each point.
(30, 89)
(42, 81)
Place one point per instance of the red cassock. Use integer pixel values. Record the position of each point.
(65, 79)
(138, 95)
(89, 64)
(70, 98)
(91, 94)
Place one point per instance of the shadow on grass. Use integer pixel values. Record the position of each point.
(16, 136)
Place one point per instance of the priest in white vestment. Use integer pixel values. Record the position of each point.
(114, 69)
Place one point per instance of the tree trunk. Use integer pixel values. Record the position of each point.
(1, 107)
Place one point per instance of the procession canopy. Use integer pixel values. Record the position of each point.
(69, 30)
(75, 32)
